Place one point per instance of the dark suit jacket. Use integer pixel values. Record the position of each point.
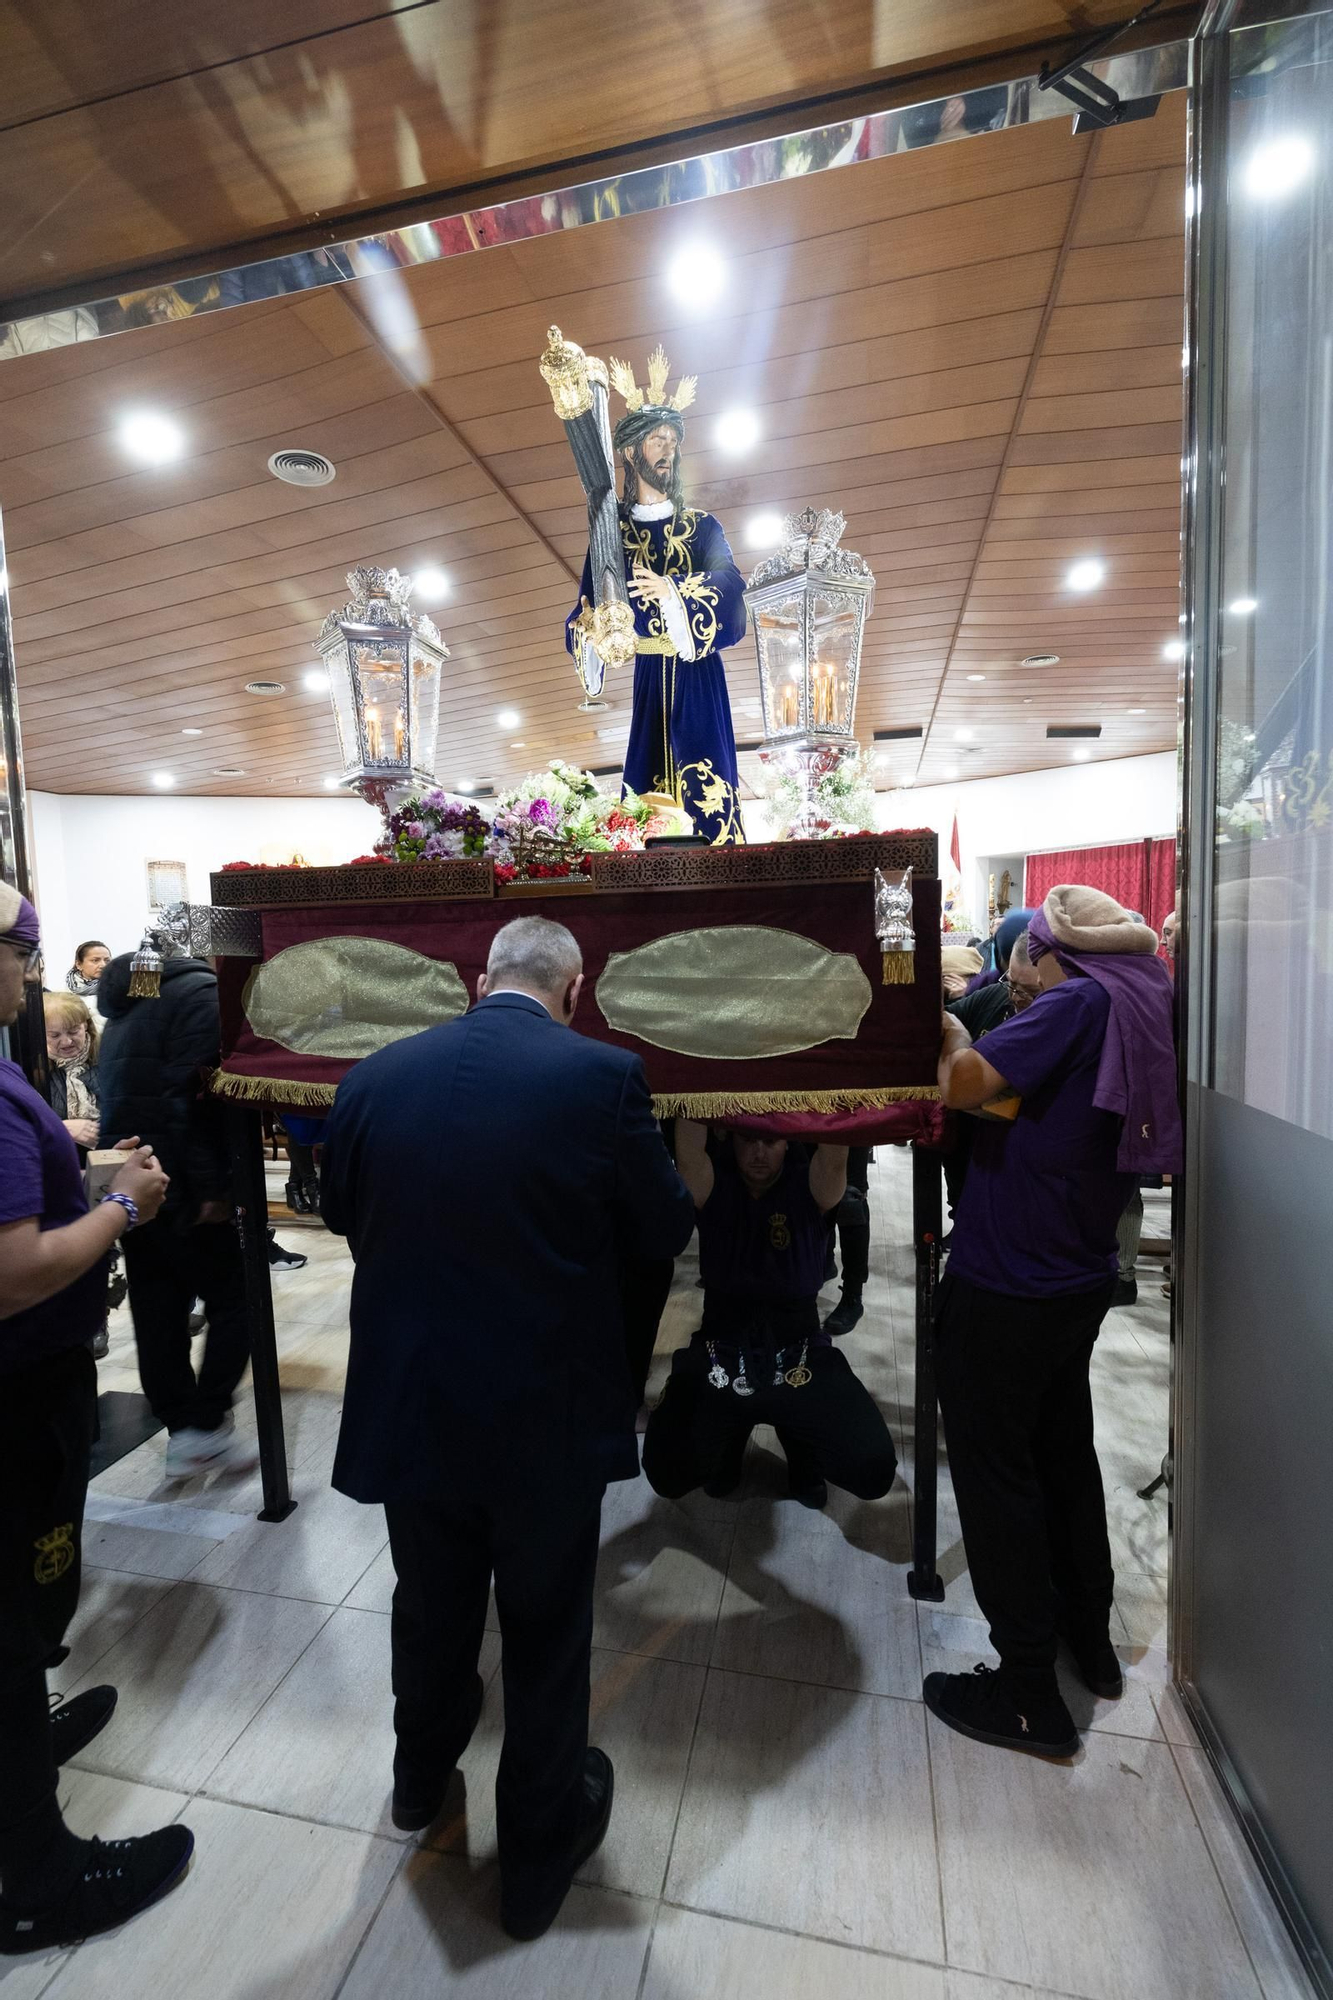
(484, 1174)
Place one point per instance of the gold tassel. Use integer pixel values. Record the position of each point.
(899, 968)
(146, 983)
(270, 1090)
(738, 1103)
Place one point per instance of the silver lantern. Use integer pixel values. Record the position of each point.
(808, 607)
(384, 665)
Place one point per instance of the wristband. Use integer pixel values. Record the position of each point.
(130, 1207)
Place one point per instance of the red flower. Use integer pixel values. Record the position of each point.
(229, 867)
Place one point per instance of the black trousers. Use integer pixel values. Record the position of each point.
(831, 1427)
(167, 1270)
(1017, 1406)
(47, 1414)
(645, 1285)
(543, 1555)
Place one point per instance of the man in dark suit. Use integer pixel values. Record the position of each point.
(486, 1175)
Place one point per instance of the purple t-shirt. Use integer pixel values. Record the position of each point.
(40, 1175)
(1042, 1198)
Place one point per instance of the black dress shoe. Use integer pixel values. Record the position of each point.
(75, 1723)
(296, 1196)
(418, 1800)
(812, 1493)
(846, 1313)
(990, 1708)
(526, 1913)
(1126, 1292)
(1097, 1661)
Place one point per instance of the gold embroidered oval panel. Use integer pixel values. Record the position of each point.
(738, 991)
(348, 996)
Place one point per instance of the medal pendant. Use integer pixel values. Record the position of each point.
(796, 1378)
(718, 1376)
(742, 1387)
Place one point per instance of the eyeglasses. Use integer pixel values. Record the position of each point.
(1022, 996)
(30, 956)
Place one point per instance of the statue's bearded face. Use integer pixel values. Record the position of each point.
(654, 458)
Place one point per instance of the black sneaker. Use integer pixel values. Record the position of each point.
(1126, 1292)
(75, 1723)
(118, 1879)
(418, 1800)
(1097, 1661)
(989, 1708)
(284, 1260)
(812, 1493)
(527, 1913)
(846, 1313)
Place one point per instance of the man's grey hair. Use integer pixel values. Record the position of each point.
(533, 951)
(1020, 959)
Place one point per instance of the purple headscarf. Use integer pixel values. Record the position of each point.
(1136, 1077)
(19, 918)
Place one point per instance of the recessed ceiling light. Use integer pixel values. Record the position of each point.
(976, 677)
(466, 785)
(1174, 649)
(1241, 607)
(509, 718)
(764, 531)
(266, 687)
(228, 771)
(316, 680)
(908, 780)
(696, 274)
(521, 744)
(1081, 755)
(192, 732)
(1277, 167)
(963, 735)
(431, 584)
(163, 780)
(1042, 660)
(1085, 574)
(1136, 711)
(154, 439)
(331, 784)
(736, 431)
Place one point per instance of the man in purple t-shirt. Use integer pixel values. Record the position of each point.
(1030, 1279)
(765, 1218)
(54, 1887)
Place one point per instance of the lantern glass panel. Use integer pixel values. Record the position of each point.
(425, 710)
(380, 670)
(780, 629)
(836, 620)
(344, 708)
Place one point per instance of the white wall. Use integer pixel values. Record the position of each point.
(89, 854)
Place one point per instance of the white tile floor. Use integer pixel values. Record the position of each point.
(788, 1826)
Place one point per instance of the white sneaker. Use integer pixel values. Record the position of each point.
(190, 1452)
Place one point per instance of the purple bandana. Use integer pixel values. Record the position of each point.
(25, 929)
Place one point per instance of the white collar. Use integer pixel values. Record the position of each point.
(516, 992)
(655, 510)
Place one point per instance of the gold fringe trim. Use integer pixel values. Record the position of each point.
(270, 1089)
(146, 985)
(736, 1103)
(899, 968)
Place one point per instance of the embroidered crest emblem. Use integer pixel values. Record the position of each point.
(779, 1235)
(55, 1553)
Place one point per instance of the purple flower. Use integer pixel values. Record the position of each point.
(542, 813)
(415, 830)
(434, 799)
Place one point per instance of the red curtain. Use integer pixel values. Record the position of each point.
(1141, 874)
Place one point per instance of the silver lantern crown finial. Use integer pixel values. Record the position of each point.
(810, 540)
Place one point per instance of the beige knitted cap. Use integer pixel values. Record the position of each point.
(963, 958)
(1088, 920)
(10, 904)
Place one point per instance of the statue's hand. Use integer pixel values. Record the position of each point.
(648, 587)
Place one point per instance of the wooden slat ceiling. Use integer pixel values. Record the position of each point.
(973, 350)
(143, 135)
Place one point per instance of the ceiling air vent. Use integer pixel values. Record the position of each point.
(1064, 731)
(897, 735)
(754, 743)
(228, 771)
(266, 687)
(302, 468)
(1042, 660)
(606, 770)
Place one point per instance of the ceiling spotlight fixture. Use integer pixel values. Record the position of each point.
(153, 439)
(509, 718)
(316, 681)
(331, 784)
(192, 732)
(952, 772)
(432, 585)
(1080, 756)
(696, 274)
(466, 785)
(266, 687)
(963, 735)
(1085, 574)
(1277, 167)
(976, 677)
(228, 771)
(1136, 711)
(1241, 607)
(163, 780)
(908, 780)
(764, 531)
(1042, 660)
(1174, 649)
(520, 745)
(736, 431)
(295, 467)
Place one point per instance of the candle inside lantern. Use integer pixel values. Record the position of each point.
(374, 735)
(399, 736)
(790, 707)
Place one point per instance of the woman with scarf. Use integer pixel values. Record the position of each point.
(90, 962)
(71, 1048)
(1031, 1277)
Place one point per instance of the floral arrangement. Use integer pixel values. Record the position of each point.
(432, 829)
(552, 821)
(844, 799)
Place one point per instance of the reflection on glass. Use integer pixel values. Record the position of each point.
(1273, 908)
